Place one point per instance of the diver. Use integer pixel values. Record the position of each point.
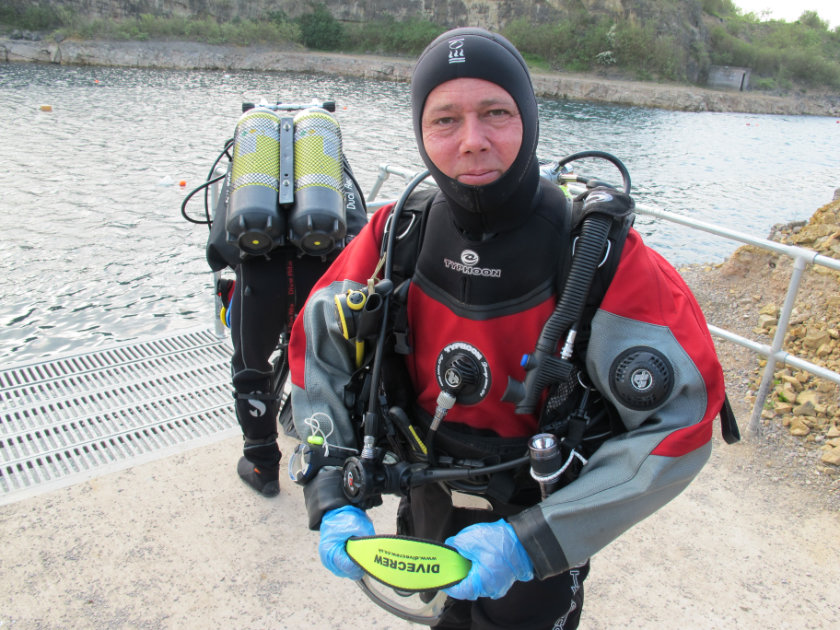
(634, 409)
(273, 273)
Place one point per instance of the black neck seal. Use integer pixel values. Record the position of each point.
(478, 54)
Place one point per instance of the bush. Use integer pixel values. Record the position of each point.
(804, 52)
(582, 42)
(719, 8)
(320, 30)
(389, 36)
(207, 30)
(34, 18)
(810, 69)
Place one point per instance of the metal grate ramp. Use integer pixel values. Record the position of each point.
(78, 416)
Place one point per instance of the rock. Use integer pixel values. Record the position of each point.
(799, 428)
(794, 382)
(825, 350)
(770, 309)
(785, 393)
(782, 408)
(806, 409)
(831, 456)
(812, 233)
(808, 397)
(766, 322)
(815, 338)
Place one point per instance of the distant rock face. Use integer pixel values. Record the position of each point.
(196, 56)
(680, 22)
(492, 14)
(486, 13)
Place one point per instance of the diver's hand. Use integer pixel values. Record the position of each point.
(336, 527)
(498, 560)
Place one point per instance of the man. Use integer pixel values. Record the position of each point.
(644, 387)
(261, 304)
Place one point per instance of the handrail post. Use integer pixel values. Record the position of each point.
(380, 179)
(754, 427)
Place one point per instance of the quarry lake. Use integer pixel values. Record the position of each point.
(95, 251)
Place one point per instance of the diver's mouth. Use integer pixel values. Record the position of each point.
(479, 178)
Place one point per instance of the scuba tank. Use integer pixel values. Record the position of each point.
(317, 220)
(254, 223)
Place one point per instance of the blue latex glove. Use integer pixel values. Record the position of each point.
(336, 527)
(498, 560)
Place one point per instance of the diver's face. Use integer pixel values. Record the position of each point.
(472, 130)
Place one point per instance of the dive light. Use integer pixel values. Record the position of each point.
(408, 564)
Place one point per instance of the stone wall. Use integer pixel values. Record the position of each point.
(487, 13)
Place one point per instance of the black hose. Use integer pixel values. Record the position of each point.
(603, 155)
(371, 416)
(542, 366)
(189, 196)
(589, 250)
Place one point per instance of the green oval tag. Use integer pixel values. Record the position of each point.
(408, 564)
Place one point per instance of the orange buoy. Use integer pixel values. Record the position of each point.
(45, 108)
(182, 183)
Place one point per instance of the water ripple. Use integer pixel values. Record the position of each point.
(94, 249)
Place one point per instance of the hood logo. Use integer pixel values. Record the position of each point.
(456, 50)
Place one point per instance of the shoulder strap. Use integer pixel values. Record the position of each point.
(409, 239)
(410, 233)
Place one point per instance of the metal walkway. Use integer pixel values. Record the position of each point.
(75, 417)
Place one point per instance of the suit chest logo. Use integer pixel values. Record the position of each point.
(468, 266)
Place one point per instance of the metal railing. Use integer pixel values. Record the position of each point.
(774, 352)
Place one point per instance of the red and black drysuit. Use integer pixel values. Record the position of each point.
(485, 282)
(652, 456)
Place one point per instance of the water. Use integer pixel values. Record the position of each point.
(94, 249)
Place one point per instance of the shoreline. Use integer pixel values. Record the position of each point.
(181, 55)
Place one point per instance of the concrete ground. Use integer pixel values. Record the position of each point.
(182, 543)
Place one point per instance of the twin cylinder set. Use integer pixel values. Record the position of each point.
(286, 183)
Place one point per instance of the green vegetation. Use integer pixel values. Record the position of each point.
(584, 42)
(659, 41)
(34, 18)
(275, 29)
(388, 36)
(780, 54)
(320, 30)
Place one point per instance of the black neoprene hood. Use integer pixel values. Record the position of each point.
(479, 54)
